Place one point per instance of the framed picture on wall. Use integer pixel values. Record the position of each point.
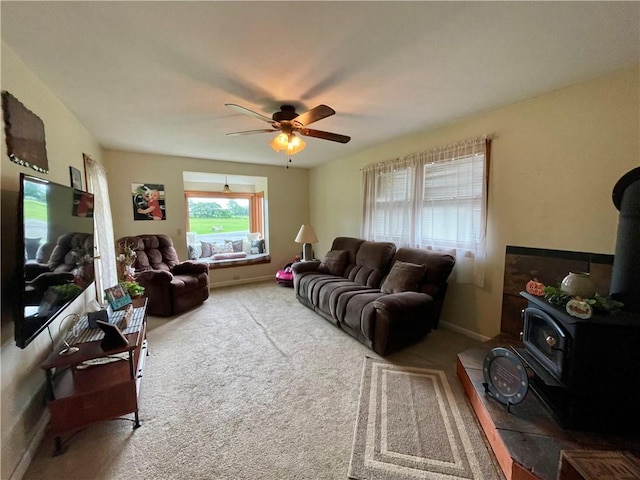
(148, 201)
(76, 178)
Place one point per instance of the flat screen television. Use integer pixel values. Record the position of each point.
(55, 248)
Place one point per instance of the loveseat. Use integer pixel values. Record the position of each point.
(171, 286)
(385, 297)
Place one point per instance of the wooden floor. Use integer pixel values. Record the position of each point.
(527, 440)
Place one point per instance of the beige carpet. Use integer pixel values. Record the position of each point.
(411, 425)
(252, 385)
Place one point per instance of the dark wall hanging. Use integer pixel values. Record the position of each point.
(25, 135)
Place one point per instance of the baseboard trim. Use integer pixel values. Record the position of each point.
(464, 331)
(241, 281)
(32, 448)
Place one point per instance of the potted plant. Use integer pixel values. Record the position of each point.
(133, 288)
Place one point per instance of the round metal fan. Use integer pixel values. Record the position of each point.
(289, 122)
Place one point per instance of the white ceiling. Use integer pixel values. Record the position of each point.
(154, 76)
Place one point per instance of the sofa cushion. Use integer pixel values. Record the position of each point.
(373, 262)
(153, 252)
(404, 277)
(334, 262)
(236, 245)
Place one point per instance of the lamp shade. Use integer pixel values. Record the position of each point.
(306, 235)
(290, 143)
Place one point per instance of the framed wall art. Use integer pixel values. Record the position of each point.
(76, 178)
(148, 201)
(24, 132)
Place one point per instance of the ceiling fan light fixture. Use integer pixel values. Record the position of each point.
(295, 145)
(290, 143)
(279, 142)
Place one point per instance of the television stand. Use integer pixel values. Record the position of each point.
(94, 385)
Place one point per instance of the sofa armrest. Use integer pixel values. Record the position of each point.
(399, 303)
(301, 267)
(32, 270)
(190, 267)
(400, 320)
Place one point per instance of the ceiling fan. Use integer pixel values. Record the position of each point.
(288, 122)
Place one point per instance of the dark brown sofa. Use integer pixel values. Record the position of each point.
(171, 286)
(386, 298)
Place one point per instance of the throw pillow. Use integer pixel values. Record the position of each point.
(195, 252)
(334, 262)
(237, 244)
(221, 248)
(257, 246)
(403, 277)
(206, 249)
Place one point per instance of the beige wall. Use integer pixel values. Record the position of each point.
(67, 140)
(286, 200)
(555, 160)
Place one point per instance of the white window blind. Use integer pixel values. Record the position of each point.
(433, 199)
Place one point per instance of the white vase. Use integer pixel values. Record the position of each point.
(578, 284)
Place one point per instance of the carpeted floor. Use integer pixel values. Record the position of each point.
(252, 385)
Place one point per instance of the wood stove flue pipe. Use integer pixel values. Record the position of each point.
(625, 276)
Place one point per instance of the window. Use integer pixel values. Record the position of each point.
(451, 210)
(434, 199)
(217, 217)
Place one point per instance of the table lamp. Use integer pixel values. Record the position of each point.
(307, 236)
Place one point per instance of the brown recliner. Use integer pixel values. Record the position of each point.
(57, 264)
(171, 286)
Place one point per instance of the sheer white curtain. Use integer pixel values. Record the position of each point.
(389, 201)
(433, 199)
(106, 269)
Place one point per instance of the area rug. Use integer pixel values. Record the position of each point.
(412, 424)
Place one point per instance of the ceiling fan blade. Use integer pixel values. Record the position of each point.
(250, 132)
(334, 137)
(313, 115)
(251, 113)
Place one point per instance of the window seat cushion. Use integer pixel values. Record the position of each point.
(228, 256)
(247, 259)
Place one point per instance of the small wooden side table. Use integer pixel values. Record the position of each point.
(79, 395)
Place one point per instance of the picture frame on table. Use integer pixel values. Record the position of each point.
(117, 297)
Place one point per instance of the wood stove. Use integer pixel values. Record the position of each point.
(584, 370)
